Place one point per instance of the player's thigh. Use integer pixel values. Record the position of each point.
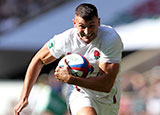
(80, 103)
(87, 111)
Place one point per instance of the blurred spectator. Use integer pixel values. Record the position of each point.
(153, 101)
(46, 99)
(49, 101)
(8, 23)
(135, 86)
(132, 81)
(55, 85)
(140, 94)
(153, 106)
(15, 12)
(8, 15)
(125, 105)
(147, 9)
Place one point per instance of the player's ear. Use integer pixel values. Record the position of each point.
(74, 22)
(99, 21)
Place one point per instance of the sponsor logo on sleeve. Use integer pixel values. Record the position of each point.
(50, 44)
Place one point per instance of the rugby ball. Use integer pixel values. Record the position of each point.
(78, 65)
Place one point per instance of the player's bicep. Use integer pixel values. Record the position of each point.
(109, 71)
(45, 56)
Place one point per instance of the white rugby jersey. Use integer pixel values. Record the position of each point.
(106, 47)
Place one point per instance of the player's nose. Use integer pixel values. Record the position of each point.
(86, 31)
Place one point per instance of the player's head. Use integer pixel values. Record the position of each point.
(86, 21)
(86, 11)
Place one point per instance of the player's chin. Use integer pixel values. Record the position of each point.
(87, 39)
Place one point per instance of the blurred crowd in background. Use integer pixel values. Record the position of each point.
(15, 12)
(140, 93)
(47, 97)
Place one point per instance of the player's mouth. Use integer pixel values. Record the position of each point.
(82, 34)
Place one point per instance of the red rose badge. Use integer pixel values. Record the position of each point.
(96, 54)
(68, 53)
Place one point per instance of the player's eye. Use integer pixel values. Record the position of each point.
(91, 26)
(82, 26)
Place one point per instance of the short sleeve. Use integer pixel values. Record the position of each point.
(112, 49)
(56, 46)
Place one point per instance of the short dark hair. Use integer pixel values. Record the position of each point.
(86, 11)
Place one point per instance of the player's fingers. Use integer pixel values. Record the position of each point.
(17, 110)
(57, 77)
(56, 74)
(20, 106)
(57, 68)
(16, 113)
(65, 63)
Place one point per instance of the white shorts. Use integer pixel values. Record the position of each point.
(77, 100)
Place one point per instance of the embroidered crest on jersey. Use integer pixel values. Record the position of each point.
(96, 54)
(50, 44)
(68, 53)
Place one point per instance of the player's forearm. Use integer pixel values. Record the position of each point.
(101, 83)
(31, 77)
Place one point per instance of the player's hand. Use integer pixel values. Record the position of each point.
(63, 73)
(19, 107)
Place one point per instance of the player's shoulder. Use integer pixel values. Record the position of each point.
(107, 29)
(109, 35)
